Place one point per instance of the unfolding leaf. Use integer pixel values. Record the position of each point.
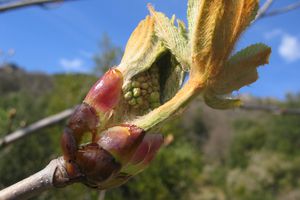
(217, 28)
(182, 28)
(240, 69)
(220, 102)
(171, 37)
(192, 11)
(142, 49)
(236, 16)
(172, 20)
(254, 55)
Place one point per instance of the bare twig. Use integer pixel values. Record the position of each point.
(102, 195)
(54, 119)
(53, 175)
(21, 133)
(25, 3)
(283, 10)
(272, 109)
(263, 9)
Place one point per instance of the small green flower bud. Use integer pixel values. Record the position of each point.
(144, 85)
(132, 102)
(155, 83)
(141, 78)
(136, 92)
(139, 101)
(154, 97)
(144, 92)
(135, 84)
(128, 95)
(149, 90)
(156, 88)
(148, 78)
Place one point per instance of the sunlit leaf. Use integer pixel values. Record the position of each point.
(219, 102)
(240, 69)
(171, 37)
(142, 49)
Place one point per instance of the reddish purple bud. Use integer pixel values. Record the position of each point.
(96, 164)
(69, 148)
(144, 154)
(121, 141)
(156, 141)
(141, 151)
(68, 145)
(84, 119)
(153, 143)
(106, 92)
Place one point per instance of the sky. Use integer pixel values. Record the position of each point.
(63, 38)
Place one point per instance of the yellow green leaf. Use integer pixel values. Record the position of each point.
(171, 37)
(237, 16)
(218, 25)
(254, 55)
(192, 11)
(142, 49)
(182, 28)
(219, 102)
(240, 69)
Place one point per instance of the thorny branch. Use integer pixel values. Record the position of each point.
(25, 3)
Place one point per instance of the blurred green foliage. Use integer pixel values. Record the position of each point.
(261, 159)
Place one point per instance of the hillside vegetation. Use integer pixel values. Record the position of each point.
(209, 155)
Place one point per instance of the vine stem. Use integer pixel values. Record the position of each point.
(53, 175)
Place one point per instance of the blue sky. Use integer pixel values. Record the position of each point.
(64, 38)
